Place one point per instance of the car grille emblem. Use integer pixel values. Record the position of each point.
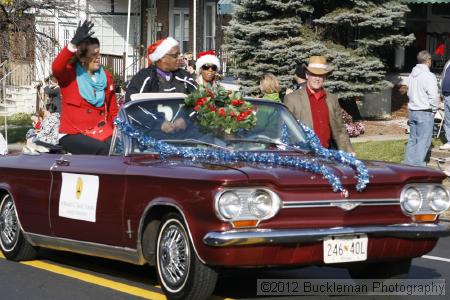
(347, 206)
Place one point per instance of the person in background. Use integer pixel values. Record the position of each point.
(3, 145)
(270, 87)
(53, 91)
(163, 75)
(50, 126)
(445, 92)
(319, 109)
(191, 67)
(423, 103)
(206, 68)
(299, 79)
(89, 104)
(36, 122)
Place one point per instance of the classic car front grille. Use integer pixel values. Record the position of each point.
(340, 203)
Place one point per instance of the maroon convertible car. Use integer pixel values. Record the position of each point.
(146, 203)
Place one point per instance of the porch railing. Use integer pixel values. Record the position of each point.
(114, 62)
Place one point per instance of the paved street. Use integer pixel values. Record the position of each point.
(60, 275)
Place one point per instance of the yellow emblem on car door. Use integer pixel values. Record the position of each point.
(79, 188)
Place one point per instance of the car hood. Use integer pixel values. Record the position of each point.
(380, 173)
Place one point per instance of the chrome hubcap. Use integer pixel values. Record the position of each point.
(174, 256)
(8, 224)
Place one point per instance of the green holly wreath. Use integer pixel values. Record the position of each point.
(222, 110)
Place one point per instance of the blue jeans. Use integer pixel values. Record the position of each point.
(447, 118)
(420, 133)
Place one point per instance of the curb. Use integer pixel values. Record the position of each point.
(379, 138)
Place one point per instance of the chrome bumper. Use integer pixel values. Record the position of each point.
(292, 236)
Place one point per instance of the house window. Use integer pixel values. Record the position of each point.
(111, 31)
(179, 23)
(210, 26)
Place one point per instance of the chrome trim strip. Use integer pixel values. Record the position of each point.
(335, 203)
(292, 236)
(141, 225)
(87, 248)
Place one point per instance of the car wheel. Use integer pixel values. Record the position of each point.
(381, 270)
(181, 274)
(12, 242)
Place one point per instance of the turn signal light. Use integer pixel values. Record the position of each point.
(425, 218)
(245, 223)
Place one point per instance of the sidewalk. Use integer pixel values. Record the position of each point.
(379, 138)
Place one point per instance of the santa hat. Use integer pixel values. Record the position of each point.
(157, 50)
(206, 58)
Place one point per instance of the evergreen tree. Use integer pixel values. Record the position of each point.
(275, 35)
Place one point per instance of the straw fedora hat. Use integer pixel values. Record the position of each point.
(317, 65)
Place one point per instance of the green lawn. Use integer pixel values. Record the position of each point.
(392, 151)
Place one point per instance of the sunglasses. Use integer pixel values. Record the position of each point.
(212, 67)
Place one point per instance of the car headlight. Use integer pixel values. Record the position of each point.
(260, 204)
(411, 200)
(245, 204)
(229, 205)
(439, 199)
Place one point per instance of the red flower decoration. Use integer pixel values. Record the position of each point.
(222, 112)
(219, 109)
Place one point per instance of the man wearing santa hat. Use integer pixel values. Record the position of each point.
(163, 74)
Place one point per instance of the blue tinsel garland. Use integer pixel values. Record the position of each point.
(270, 158)
(335, 155)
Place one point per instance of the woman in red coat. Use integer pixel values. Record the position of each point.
(89, 104)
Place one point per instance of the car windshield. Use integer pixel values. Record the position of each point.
(275, 128)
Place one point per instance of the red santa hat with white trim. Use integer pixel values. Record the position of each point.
(157, 50)
(207, 58)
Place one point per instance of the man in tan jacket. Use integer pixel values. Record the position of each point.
(319, 109)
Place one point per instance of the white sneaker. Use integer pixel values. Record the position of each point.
(446, 146)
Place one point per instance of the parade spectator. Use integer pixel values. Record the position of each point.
(319, 109)
(53, 91)
(3, 145)
(445, 91)
(163, 74)
(299, 79)
(270, 87)
(50, 126)
(36, 121)
(423, 103)
(89, 104)
(206, 67)
(191, 67)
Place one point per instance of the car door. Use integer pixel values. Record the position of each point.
(28, 179)
(87, 198)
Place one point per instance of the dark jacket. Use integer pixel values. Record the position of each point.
(54, 96)
(298, 104)
(146, 81)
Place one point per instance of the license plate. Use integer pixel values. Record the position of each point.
(338, 249)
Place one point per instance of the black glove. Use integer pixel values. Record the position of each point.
(83, 32)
